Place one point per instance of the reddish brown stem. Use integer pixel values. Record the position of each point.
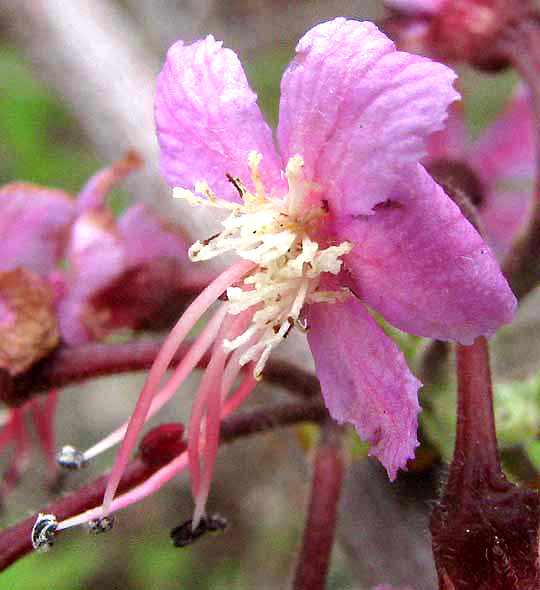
(476, 438)
(67, 366)
(484, 530)
(319, 532)
(15, 541)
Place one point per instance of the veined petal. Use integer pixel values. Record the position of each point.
(359, 111)
(450, 142)
(34, 223)
(506, 148)
(96, 258)
(424, 268)
(92, 195)
(208, 120)
(372, 388)
(147, 238)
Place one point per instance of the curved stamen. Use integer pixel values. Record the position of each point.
(163, 475)
(184, 369)
(165, 356)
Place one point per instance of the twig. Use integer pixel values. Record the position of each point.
(67, 366)
(319, 532)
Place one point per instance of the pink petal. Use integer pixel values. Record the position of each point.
(506, 149)
(451, 142)
(416, 6)
(34, 222)
(423, 267)
(372, 388)
(359, 111)
(96, 257)
(503, 215)
(208, 120)
(92, 195)
(147, 238)
(156, 273)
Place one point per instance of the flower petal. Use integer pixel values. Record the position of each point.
(372, 388)
(157, 272)
(359, 111)
(505, 150)
(96, 258)
(92, 195)
(451, 142)
(208, 120)
(503, 215)
(34, 222)
(422, 266)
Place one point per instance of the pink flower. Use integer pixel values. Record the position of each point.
(501, 160)
(117, 274)
(341, 219)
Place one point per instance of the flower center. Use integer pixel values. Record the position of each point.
(275, 234)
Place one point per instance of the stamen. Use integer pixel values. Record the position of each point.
(100, 525)
(43, 532)
(71, 458)
(166, 473)
(184, 369)
(165, 356)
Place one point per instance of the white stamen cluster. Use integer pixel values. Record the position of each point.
(275, 235)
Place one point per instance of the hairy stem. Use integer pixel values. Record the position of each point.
(476, 438)
(319, 532)
(484, 530)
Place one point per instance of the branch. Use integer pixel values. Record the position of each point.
(71, 365)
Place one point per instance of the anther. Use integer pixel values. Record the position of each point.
(43, 532)
(237, 183)
(100, 525)
(184, 534)
(302, 325)
(208, 240)
(71, 458)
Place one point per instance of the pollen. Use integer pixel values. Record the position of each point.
(277, 235)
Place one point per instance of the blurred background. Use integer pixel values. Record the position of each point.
(77, 80)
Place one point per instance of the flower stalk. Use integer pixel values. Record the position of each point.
(485, 529)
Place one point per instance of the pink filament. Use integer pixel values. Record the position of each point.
(163, 475)
(210, 386)
(163, 359)
(43, 417)
(19, 460)
(189, 362)
(207, 409)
